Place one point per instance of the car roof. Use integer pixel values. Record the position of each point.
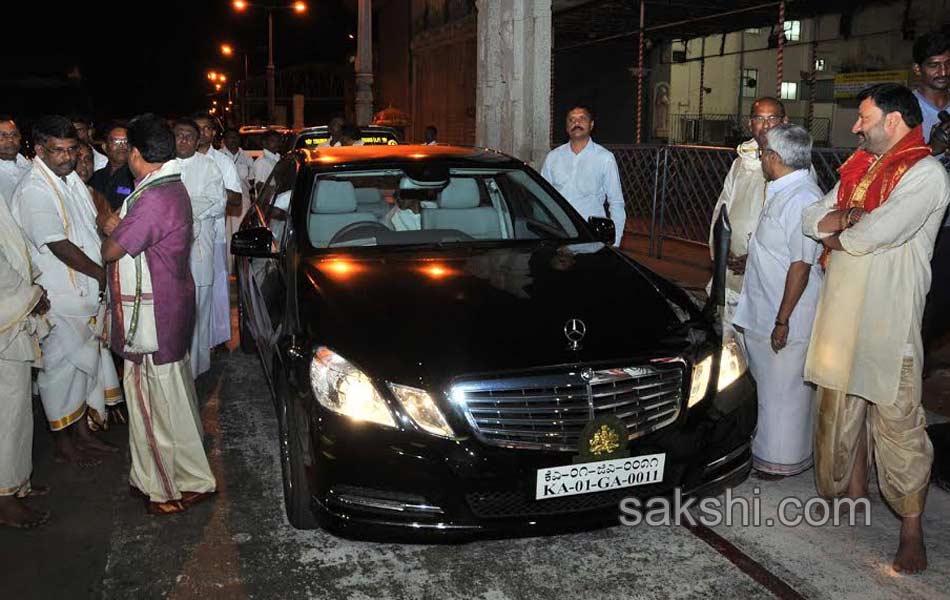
(372, 135)
(323, 128)
(346, 157)
(252, 129)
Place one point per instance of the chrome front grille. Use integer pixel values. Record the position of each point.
(549, 411)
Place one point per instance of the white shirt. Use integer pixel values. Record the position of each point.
(778, 241)
(11, 171)
(232, 183)
(99, 160)
(264, 165)
(399, 219)
(242, 162)
(205, 186)
(48, 209)
(586, 179)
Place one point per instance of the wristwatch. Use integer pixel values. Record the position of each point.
(785, 324)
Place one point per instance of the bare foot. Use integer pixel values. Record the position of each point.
(68, 453)
(14, 513)
(94, 444)
(87, 440)
(911, 553)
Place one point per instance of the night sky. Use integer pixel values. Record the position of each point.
(129, 61)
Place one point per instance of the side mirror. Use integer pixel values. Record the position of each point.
(604, 229)
(722, 235)
(255, 243)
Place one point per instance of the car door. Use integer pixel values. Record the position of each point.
(267, 282)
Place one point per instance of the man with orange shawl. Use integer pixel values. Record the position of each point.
(878, 226)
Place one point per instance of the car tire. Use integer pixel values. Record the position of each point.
(294, 442)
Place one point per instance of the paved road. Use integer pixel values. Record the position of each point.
(101, 544)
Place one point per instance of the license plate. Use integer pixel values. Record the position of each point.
(601, 476)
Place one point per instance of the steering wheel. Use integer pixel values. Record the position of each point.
(346, 232)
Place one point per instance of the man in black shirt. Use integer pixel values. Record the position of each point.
(115, 180)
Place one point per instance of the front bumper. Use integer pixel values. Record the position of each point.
(369, 482)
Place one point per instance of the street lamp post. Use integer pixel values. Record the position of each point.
(240, 87)
(298, 7)
(271, 85)
(364, 64)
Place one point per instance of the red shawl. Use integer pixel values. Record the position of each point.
(868, 184)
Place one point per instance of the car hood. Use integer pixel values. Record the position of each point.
(422, 317)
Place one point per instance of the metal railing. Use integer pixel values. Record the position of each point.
(671, 190)
(726, 129)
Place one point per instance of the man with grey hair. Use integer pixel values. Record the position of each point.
(777, 306)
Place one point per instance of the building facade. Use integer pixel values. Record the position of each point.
(714, 80)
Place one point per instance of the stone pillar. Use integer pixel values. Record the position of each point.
(298, 106)
(364, 64)
(513, 93)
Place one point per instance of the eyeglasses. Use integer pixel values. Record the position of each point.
(70, 151)
(761, 153)
(119, 142)
(10, 136)
(762, 119)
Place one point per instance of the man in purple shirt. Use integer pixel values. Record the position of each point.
(153, 322)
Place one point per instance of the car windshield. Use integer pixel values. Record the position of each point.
(255, 140)
(395, 208)
(370, 136)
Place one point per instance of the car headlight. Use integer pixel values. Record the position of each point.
(419, 405)
(344, 389)
(700, 382)
(732, 365)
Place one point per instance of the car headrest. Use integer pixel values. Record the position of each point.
(334, 197)
(367, 196)
(462, 192)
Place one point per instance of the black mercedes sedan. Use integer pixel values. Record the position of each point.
(453, 351)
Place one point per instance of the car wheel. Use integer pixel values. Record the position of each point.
(294, 448)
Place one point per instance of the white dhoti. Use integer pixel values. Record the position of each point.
(220, 298)
(165, 434)
(201, 340)
(16, 427)
(785, 434)
(108, 390)
(70, 374)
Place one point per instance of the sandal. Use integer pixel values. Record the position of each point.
(41, 518)
(191, 498)
(158, 509)
(34, 491)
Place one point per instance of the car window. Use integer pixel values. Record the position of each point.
(390, 208)
(371, 136)
(274, 197)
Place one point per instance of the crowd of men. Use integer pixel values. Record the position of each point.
(125, 253)
(827, 294)
(114, 275)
